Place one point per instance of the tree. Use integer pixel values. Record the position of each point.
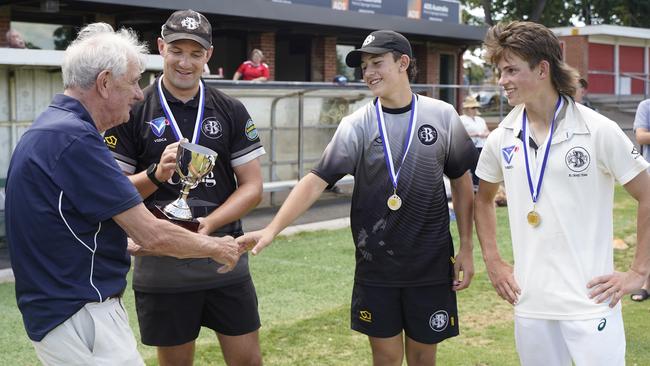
(554, 13)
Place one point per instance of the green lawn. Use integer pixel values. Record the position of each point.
(304, 285)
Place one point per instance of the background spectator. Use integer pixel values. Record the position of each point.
(475, 126)
(581, 94)
(642, 134)
(15, 39)
(253, 69)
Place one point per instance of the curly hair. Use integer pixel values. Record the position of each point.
(98, 47)
(533, 43)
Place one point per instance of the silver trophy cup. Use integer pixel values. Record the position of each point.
(193, 162)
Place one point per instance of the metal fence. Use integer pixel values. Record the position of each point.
(296, 120)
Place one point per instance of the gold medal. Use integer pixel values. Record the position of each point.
(394, 202)
(533, 218)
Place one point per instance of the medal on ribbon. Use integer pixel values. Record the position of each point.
(533, 217)
(170, 116)
(394, 202)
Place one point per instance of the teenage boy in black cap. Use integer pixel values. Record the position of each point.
(174, 298)
(397, 147)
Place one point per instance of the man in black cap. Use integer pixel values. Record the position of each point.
(397, 147)
(174, 298)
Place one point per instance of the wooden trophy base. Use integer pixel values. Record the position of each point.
(191, 225)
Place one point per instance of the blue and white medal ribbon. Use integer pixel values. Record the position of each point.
(533, 216)
(394, 201)
(170, 116)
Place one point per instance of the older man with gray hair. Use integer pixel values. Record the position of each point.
(69, 210)
(15, 39)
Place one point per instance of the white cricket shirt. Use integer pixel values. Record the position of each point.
(573, 243)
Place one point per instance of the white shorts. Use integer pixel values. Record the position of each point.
(593, 342)
(97, 334)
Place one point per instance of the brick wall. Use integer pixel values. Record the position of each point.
(330, 67)
(266, 43)
(323, 59)
(576, 53)
(5, 21)
(427, 59)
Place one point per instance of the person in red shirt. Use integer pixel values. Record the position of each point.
(253, 69)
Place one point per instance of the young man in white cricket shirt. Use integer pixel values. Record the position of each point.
(559, 162)
(397, 147)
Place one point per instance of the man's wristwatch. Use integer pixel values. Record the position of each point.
(151, 173)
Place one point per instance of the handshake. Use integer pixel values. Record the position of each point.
(228, 249)
(225, 250)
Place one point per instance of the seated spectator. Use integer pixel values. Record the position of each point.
(15, 39)
(253, 69)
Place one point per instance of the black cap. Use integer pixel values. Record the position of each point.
(187, 24)
(379, 42)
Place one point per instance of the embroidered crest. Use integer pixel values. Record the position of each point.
(190, 23)
(439, 321)
(211, 128)
(577, 159)
(427, 134)
(251, 130)
(368, 40)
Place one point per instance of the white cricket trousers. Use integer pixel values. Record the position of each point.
(592, 342)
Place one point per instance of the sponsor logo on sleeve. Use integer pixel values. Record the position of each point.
(251, 130)
(158, 126)
(111, 141)
(211, 128)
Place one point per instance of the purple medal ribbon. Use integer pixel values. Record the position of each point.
(394, 176)
(170, 116)
(534, 192)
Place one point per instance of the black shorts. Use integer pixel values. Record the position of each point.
(427, 314)
(174, 319)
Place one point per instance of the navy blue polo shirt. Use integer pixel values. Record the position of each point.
(63, 188)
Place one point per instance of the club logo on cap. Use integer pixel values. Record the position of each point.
(190, 23)
(368, 40)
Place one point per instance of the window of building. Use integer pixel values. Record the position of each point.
(342, 50)
(45, 36)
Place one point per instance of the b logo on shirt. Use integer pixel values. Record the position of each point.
(427, 134)
(211, 128)
(577, 159)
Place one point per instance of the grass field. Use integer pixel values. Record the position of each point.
(304, 285)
